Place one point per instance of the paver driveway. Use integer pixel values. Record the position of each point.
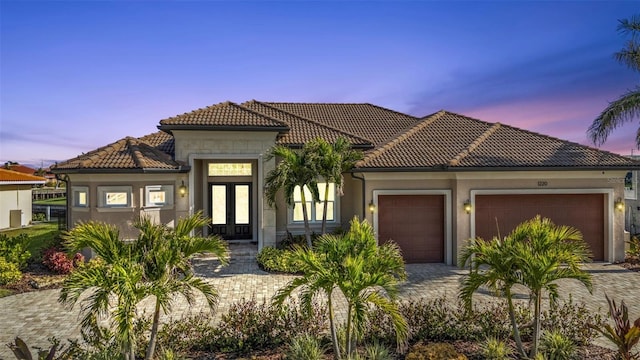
(36, 316)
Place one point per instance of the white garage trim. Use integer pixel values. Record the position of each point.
(447, 214)
(608, 210)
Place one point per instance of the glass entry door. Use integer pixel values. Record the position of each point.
(230, 205)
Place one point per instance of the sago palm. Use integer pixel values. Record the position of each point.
(293, 168)
(627, 107)
(365, 273)
(546, 253)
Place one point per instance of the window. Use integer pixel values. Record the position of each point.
(314, 210)
(230, 169)
(159, 195)
(630, 189)
(114, 196)
(80, 196)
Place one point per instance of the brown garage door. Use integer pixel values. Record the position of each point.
(415, 223)
(584, 212)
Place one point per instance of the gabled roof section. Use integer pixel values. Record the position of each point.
(374, 123)
(304, 130)
(223, 116)
(10, 177)
(447, 140)
(127, 155)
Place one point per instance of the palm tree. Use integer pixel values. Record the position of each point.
(627, 107)
(293, 169)
(546, 253)
(165, 256)
(116, 275)
(330, 162)
(157, 264)
(493, 264)
(365, 273)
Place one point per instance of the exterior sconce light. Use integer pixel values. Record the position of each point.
(182, 189)
(619, 204)
(467, 207)
(372, 206)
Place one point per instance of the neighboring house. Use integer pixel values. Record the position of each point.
(19, 168)
(15, 198)
(632, 203)
(428, 183)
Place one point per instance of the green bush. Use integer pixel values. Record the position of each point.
(9, 272)
(184, 334)
(496, 349)
(572, 321)
(38, 217)
(305, 347)
(434, 351)
(377, 351)
(14, 249)
(556, 346)
(634, 246)
(277, 260)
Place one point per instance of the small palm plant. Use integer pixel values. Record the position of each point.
(365, 273)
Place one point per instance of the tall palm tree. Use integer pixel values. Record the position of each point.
(365, 273)
(165, 254)
(294, 168)
(331, 160)
(157, 264)
(545, 254)
(627, 107)
(493, 264)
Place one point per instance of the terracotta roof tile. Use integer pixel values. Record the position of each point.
(10, 176)
(226, 114)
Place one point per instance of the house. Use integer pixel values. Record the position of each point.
(428, 183)
(15, 197)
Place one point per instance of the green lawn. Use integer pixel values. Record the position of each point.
(42, 236)
(58, 201)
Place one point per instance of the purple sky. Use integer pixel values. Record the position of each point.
(76, 75)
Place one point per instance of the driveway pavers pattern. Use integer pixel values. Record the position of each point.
(36, 316)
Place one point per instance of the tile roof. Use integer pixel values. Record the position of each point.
(20, 168)
(447, 140)
(15, 177)
(441, 141)
(222, 115)
(303, 130)
(146, 154)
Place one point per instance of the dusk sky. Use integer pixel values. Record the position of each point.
(77, 75)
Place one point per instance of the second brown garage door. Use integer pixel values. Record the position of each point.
(584, 212)
(415, 223)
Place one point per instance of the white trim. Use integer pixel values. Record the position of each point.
(609, 210)
(448, 242)
(258, 225)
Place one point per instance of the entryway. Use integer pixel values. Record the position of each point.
(230, 205)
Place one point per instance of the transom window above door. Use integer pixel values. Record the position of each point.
(230, 169)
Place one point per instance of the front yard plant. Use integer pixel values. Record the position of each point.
(624, 334)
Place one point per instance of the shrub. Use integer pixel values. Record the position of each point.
(305, 347)
(377, 351)
(556, 346)
(496, 349)
(59, 262)
(634, 247)
(9, 272)
(14, 249)
(38, 217)
(434, 351)
(572, 321)
(623, 334)
(272, 259)
(184, 334)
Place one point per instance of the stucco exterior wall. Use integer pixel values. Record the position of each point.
(463, 186)
(124, 217)
(15, 197)
(197, 148)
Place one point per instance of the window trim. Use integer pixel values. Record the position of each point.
(104, 190)
(75, 190)
(169, 195)
(312, 220)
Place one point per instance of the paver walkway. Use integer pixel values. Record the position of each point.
(36, 316)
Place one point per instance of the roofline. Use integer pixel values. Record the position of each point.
(446, 168)
(25, 182)
(353, 146)
(169, 128)
(181, 169)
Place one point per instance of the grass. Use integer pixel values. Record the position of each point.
(5, 292)
(58, 201)
(42, 236)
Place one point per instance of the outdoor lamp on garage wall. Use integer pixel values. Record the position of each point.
(372, 206)
(467, 207)
(619, 204)
(182, 189)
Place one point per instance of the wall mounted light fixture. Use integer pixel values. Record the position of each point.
(182, 189)
(619, 204)
(467, 207)
(372, 206)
